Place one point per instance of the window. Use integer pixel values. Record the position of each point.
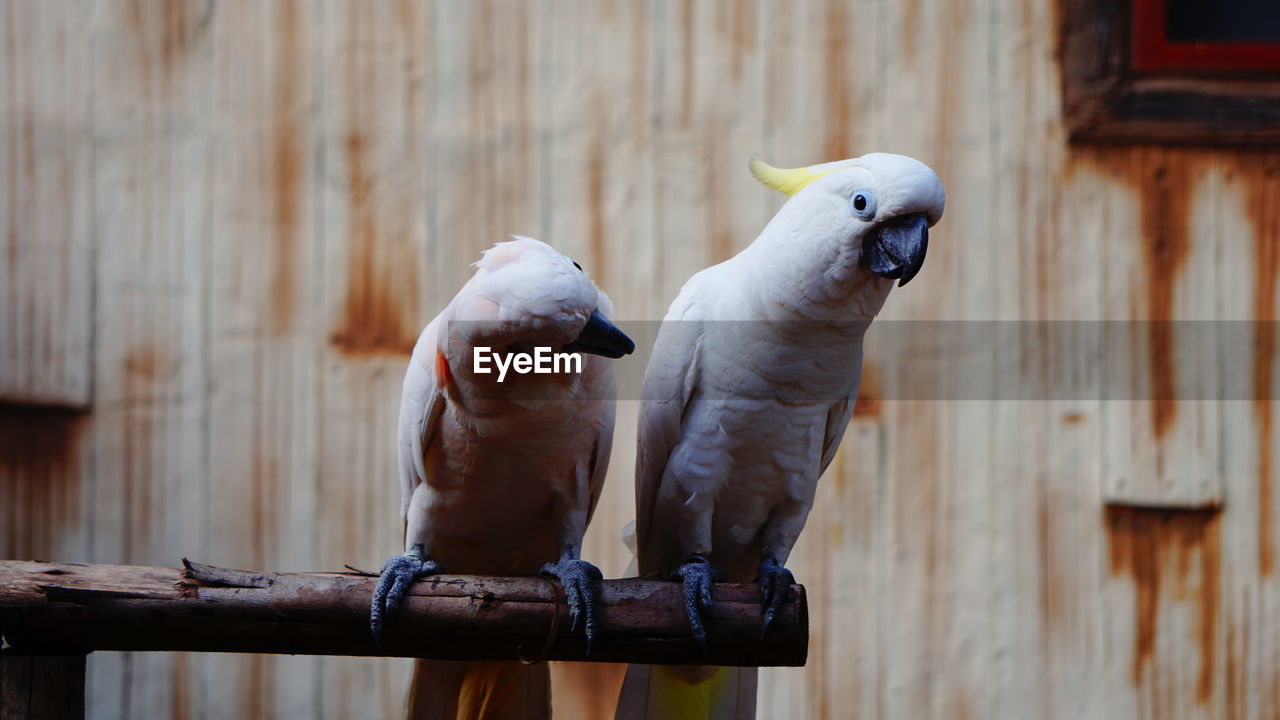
(1172, 71)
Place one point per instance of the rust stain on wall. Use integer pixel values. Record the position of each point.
(514, 182)
(1164, 186)
(379, 288)
(938, 521)
(736, 21)
(1164, 181)
(715, 211)
(372, 321)
(1157, 549)
(262, 501)
(950, 64)
(148, 368)
(1234, 680)
(416, 71)
(287, 162)
(1271, 697)
(258, 681)
(867, 404)
(137, 19)
(744, 26)
(413, 48)
(639, 72)
(1260, 174)
(1053, 590)
(139, 472)
(595, 188)
(40, 450)
(837, 144)
(180, 682)
(175, 37)
(686, 63)
(470, 213)
(911, 26)
(13, 172)
(921, 526)
(166, 31)
(839, 482)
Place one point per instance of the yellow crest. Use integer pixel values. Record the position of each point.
(787, 181)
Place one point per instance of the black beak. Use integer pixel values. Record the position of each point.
(601, 337)
(896, 248)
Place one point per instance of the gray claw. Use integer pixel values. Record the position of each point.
(577, 577)
(696, 574)
(775, 587)
(398, 573)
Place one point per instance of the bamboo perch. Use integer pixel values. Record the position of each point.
(71, 608)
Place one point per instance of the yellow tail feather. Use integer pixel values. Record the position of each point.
(688, 693)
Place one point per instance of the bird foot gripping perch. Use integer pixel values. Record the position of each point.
(579, 578)
(775, 587)
(398, 573)
(696, 574)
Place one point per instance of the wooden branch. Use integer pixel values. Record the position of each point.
(72, 608)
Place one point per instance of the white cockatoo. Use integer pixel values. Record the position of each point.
(749, 389)
(500, 471)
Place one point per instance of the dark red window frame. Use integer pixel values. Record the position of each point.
(1152, 51)
(1120, 87)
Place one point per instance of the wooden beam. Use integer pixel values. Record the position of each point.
(66, 608)
(41, 686)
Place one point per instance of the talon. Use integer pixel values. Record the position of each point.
(577, 577)
(775, 587)
(398, 573)
(696, 575)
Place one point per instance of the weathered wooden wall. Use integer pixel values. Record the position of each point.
(226, 220)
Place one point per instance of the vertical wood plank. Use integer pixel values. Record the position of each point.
(819, 89)
(151, 217)
(593, 137)
(709, 98)
(1068, 540)
(484, 179)
(378, 230)
(46, 297)
(42, 687)
(1162, 590)
(263, 322)
(933, 644)
(1044, 534)
(1248, 232)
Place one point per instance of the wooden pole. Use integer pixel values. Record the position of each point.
(70, 608)
(34, 687)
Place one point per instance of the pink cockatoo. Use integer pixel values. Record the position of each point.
(500, 471)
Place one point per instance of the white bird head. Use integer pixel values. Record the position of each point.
(875, 210)
(525, 294)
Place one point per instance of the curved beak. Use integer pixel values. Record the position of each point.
(601, 337)
(896, 249)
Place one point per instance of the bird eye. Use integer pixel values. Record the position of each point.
(575, 264)
(863, 204)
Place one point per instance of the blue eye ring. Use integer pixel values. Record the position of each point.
(862, 203)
